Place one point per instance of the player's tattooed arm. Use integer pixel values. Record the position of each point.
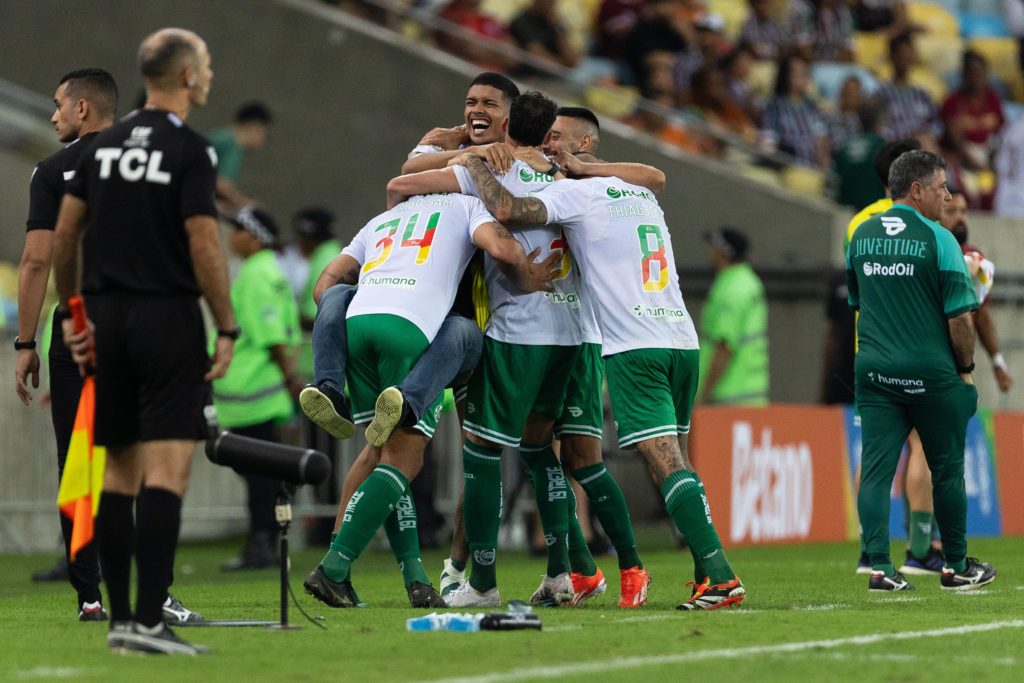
(511, 211)
(342, 270)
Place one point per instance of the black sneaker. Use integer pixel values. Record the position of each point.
(58, 572)
(424, 595)
(92, 611)
(259, 553)
(931, 564)
(863, 564)
(176, 614)
(116, 635)
(880, 583)
(329, 592)
(328, 408)
(389, 412)
(158, 640)
(976, 574)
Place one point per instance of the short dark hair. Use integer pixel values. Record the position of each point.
(890, 152)
(899, 40)
(253, 112)
(784, 76)
(158, 62)
(499, 82)
(973, 56)
(579, 113)
(96, 86)
(913, 167)
(530, 118)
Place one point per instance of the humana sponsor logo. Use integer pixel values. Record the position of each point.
(570, 299)
(900, 269)
(674, 314)
(387, 281)
(896, 381)
(772, 487)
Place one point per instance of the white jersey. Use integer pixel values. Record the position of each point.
(618, 233)
(537, 318)
(413, 257)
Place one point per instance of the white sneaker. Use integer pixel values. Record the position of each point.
(553, 592)
(467, 596)
(451, 578)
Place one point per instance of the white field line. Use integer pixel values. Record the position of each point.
(617, 663)
(902, 598)
(819, 608)
(51, 672)
(861, 657)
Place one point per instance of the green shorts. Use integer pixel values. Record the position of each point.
(583, 413)
(652, 392)
(382, 349)
(512, 381)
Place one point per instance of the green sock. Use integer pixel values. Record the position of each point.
(549, 486)
(580, 559)
(370, 505)
(920, 533)
(688, 507)
(481, 511)
(609, 505)
(403, 536)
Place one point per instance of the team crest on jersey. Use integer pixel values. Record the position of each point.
(575, 411)
(437, 411)
(139, 137)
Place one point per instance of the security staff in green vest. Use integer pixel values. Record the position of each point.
(314, 232)
(734, 327)
(256, 395)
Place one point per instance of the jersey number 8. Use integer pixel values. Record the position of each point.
(653, 263)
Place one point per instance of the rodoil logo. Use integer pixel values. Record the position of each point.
(898, 269)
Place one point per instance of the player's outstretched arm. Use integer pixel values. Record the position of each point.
(424, 182)
(36, 258)
(343, 269)
(989, 339)
(514, 262)
(588, 166)
(510, 211)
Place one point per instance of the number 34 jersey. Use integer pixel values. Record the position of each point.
(412, 258)
(617, 232)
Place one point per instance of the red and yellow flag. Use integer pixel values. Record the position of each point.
(79, 495)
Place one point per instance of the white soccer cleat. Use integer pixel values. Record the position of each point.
(554, 591)
(467, 596)
(451, 578)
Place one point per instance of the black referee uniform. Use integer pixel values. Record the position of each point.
(141, 179)
(49, 180)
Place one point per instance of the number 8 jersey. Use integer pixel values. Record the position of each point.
(412, 258)
(619, 236)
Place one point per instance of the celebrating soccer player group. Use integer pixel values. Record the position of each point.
(580, 279)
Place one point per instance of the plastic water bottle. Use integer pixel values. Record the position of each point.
(465, 623)
(430, 622)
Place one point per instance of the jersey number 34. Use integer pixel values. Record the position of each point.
(386, 242)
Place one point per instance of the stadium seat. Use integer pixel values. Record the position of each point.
(871, 50)
(941, 53)
(615, 101)
(828, 78)
(733, 13)
(977, 25)
(760, 174)
(762, 79)
(1001, 54)
(934, 18)
(809, 182)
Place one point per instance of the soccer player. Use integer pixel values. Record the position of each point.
(407, 283)
(145, 189)
(619, 236)
(84, 104)
(908, 279)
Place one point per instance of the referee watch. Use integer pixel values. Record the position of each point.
(24, 345)
(233, 335)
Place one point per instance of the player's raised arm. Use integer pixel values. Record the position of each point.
(425, 182)
(588, 166)
(514, 262)
(508, 210)
(343, 269)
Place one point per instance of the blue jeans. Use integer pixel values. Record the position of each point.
(449, 359)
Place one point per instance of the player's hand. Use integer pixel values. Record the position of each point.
(973, 261)
(222, 354)
(462, 159)
(541, 273)
(446, 138)
(498, 157)
(569, 163)
(532, 157)
(1003, 379)
(81, 344)
(26, 367)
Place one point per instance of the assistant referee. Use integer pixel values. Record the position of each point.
(146, 192)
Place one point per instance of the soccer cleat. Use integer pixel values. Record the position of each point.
(116, 634)
(932, 564)
(158, 640)
(451, 578)
(553, 591)
(259, 553)
(328, 408)
(633, 583)
(92, 611)
(423, 595)
(388, 413)
(58, 572)
(586, 587)
(708, 596)
(880, 583)
(329, 592)
(863, 564)
(465, 595)
(976, 574)
(176, 614)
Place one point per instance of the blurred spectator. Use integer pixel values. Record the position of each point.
(791, 122)
(844, 121)
(660, 28)
(854, 164)
(734, 327)
(710, 101)
(839, 353)
(247, 133)
(763, 32)
(821, 30)
(1009, 167)
(615, 21)
(1014, 12)
(467, 14)
(539, 31)
(711, 46)
(659, 87)
(877, 15)
(973, 114)
(909, 109)
(736, 68)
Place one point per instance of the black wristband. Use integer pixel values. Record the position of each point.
(553, 171)
(233, 335)
(965, 369)
(24, 346)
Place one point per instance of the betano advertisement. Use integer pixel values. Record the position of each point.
(787, 473)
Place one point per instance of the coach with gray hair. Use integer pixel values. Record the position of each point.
(907, 276)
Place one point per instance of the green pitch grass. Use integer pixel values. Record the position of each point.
(807, 617)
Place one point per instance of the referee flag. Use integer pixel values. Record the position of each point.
(80, 487)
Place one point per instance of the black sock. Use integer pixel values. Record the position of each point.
(158, 513)
(115, 533)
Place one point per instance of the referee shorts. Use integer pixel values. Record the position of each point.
(150, 361)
